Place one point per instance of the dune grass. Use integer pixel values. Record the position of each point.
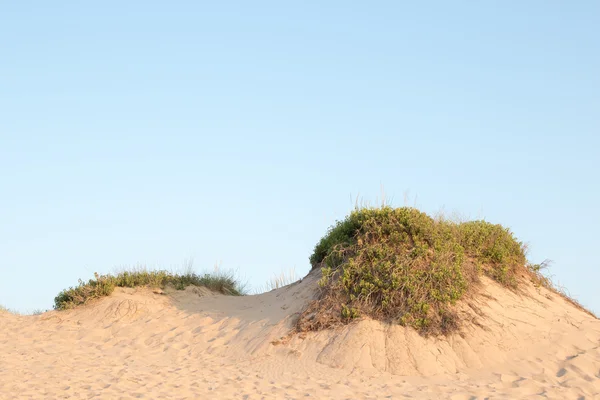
(401, 265)
(37, 311)
(9, 310)
(280, 280)
(104, 285)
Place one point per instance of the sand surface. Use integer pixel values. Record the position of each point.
(195, 344)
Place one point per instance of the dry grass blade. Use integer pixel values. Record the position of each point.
(284, 278)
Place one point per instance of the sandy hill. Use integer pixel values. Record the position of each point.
(398, 305)
(138, 343)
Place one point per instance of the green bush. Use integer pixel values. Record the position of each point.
(400, 264)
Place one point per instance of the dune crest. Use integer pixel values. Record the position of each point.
(139, 343)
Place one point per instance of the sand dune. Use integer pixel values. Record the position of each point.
(140, 343)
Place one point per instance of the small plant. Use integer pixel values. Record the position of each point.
(539, 278)
(349, 313)
(104, 285)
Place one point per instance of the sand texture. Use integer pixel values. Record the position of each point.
(195, 344)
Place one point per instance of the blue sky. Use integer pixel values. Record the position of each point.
(151, 133)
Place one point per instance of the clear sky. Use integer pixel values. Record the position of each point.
(154, 132)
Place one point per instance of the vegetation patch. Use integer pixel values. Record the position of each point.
(104, 285)
(401, 265)
(15, 312)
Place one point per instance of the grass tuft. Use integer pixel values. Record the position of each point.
(278, 281)
(540, 278)
(104, 285)
(401, 265)
(37, 311)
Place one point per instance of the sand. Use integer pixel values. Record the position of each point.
(140, 343)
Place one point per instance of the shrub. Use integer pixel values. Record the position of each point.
(399, 264)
